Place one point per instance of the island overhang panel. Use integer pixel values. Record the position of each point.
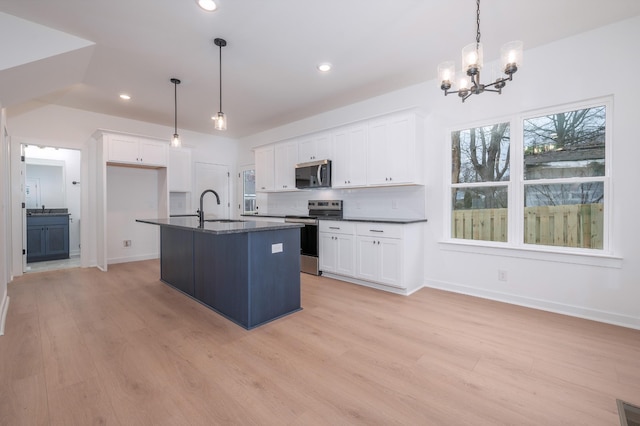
(247, 271)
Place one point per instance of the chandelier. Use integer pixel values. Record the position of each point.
(469, 84)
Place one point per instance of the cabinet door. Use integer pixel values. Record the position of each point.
(179, 170)
(122, 148)
(349, 150)
(36, 247)
(153, 153)
(390, 261)
(345, 255)
(264, 159)
(392, 154)
(306, 150)
(324, 147)
(315, 147)
(328, 252)
(285, 159)
(368, 253)
(57, 241)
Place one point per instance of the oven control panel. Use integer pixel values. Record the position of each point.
(325, 205)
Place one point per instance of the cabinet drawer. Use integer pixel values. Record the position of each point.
(337, 227)
(386, 230)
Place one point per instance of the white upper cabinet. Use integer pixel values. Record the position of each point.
(383, 151)
(134, 150)
(265, 164)
(179, 170)
(349, 168)
(317, 146)
(393, 153)
(285, 160)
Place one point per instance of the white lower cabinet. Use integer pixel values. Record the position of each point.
(380, 260)
(381, 255)
(338, 247)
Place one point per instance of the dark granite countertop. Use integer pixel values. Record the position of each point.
(48, 212)
(374, 220)
(279, 216)
(223, 227)
(347, 219)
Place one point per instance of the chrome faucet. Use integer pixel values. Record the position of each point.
(201, 211)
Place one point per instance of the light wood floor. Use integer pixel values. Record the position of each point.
(84, 347)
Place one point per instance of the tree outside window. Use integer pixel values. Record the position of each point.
(564, 172)
(558, 198)
(479, 178)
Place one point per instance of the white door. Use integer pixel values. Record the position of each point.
(216, 177)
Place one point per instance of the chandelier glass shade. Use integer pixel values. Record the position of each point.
(472, 62)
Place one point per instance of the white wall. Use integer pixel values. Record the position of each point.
(5, 220)
(63, 127)
(587, 66)
(139, 201)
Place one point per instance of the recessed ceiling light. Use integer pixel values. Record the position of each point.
(125, 96)
(208, 5)
(324, 67)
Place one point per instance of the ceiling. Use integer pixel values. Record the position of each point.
(269, 74)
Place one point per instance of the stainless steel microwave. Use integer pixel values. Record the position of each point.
(314, 174)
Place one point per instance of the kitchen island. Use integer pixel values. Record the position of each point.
(247, 271)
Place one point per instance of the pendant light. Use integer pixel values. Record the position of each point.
(175, 141)
(511, 57)
(220, 119)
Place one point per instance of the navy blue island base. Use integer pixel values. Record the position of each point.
(247, 271)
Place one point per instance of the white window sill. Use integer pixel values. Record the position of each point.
(544, 253)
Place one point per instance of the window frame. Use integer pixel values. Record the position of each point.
(516, 189)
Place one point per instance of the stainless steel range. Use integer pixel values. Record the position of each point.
(309, 241)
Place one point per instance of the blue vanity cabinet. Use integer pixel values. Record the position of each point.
(47, 237)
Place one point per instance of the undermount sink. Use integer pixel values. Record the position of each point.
(223, 220)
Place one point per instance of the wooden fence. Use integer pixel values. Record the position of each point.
(578, 225)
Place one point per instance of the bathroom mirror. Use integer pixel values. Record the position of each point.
(45, 184)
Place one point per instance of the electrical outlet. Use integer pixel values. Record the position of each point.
(126, 243)
(502, 275)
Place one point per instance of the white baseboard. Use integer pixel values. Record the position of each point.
(389, 289)
(543, 305)
(3, 314)
(115, 260)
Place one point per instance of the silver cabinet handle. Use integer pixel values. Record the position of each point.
(375, 230)
(334, 227)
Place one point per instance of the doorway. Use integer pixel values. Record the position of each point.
(52, 185)
(216, 177)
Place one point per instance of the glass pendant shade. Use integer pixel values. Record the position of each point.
(175, 141)
(220, 121)
(472, 58)
(447, 73)
(511, 56)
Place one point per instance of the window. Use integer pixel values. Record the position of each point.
(546, 185)
(479, 180)
(564, 178)
(249, 192)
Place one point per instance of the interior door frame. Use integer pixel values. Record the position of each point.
(195, 200)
